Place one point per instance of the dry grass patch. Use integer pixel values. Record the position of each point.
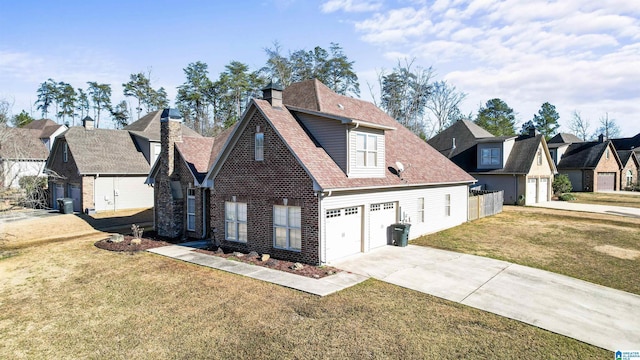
(564, 242)
(72, 300)
(612, 199)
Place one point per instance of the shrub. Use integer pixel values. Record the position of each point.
(562, 184)
(566, 197)
(136, 231)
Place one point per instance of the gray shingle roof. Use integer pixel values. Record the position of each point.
(521, 157)
(584, 155)
(22, 144)
(148, 127)
(564, 138)
(104, 151)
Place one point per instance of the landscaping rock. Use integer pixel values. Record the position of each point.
(297, 266)
(265, 257)
(219, 251)
(253, 254)
(116, 238)
(238, 254)
(136, 241)
(330, 272)
(272, 262)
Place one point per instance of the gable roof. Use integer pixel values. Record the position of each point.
(423, 164)
(103, 151)
(148, 127)
(564, 138)
(585, 155)
(22, 144)
(468, 135)
(39, 124)
(629, 143)
(626, 155)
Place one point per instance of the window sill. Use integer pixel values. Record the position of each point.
(287, 249)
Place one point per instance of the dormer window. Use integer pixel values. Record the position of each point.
(366, 150)
(259, 146)
(490, 156)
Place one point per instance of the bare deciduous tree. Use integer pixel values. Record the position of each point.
(579, 126)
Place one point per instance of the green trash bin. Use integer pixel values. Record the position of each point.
(401, 234)
(65, 205)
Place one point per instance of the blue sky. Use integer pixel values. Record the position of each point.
(577, 55)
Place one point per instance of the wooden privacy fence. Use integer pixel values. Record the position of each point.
(484, 203)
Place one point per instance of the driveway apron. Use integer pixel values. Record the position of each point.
(594, 314)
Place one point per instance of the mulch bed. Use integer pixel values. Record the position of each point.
(311, 271)
(150, 241)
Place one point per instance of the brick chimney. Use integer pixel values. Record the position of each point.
(88, 123)
(601, 138)
(273, 94)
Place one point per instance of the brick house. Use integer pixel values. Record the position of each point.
(630, 168)
(520, 165)
(592, 166)
(312, 176)
(105, 169)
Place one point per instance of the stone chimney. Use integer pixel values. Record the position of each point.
(170, 134)
(168, 197)
(88, 123)
(532, 131)
(273, 94)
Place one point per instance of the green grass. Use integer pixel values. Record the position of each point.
(70, 300)
(564, 242)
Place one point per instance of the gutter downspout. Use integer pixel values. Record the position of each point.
(204, 213)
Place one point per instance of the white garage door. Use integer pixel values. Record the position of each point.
(343, 232)
(531, 191)
(117, 193)
(381, 216)
(606, 181)
(74, 193)
(543, 190)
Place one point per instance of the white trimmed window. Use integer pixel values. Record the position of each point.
(447, 205)
(490, 156)
(629, 178)
(235, 217)
(366, 150)
(539, 157)
(259, 146)
(65, 152)
(191, 209)
(286, 227)
(421, 209)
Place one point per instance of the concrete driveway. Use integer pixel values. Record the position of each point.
(594, 314)
(602, 209)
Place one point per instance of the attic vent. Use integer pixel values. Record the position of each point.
(340, 106)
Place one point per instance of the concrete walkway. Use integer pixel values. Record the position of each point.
(601, 209)
(594, 314)
(322, 287)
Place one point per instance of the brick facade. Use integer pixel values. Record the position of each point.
(66, 173)
(88, 192)
(279, 178)
(607, 164)
(630, 165)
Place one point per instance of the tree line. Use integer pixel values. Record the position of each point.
(408, 93)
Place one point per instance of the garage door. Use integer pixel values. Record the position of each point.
(117, 193)
(343, 232)
(543, 190)
(74, 193)
(532, 191)
(381, 216)
(576, 179)
(606, 181)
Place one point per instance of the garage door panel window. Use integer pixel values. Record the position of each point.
(191, 209)
(236, 221)
(287, 232)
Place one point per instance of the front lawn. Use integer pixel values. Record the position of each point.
(603, 249)
(612, 199)
(71, 300)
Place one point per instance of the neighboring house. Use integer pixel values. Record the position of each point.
(146, 133)
(22, 153)
(103, 169)
(630, 143)
(592, 165)
(49, 130)
(630, 168)
(521, 166)
(559, 143)
(312, 176)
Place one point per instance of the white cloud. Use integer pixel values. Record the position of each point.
(574, 54)
(350, 5)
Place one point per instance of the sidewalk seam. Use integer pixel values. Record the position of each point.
(484, 283)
